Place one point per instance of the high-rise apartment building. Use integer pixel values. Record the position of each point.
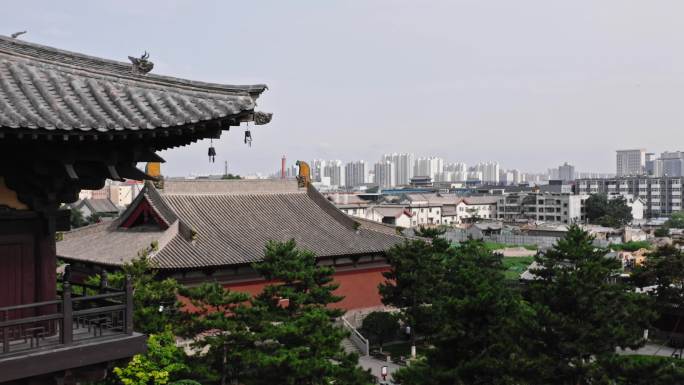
(403, 167)
(385, 174)
(510, 177)
(630, 162)
(317, 170)
(453, 172)
(672, 163)
(566, 172)
(355, 173)
(431, 167)
(333, 171)
(490, 172)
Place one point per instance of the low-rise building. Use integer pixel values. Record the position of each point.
(350, 204)
(96, 207)
(392, 215)
(538, 206)
(473, 208)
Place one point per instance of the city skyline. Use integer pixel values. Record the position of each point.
(482, 80)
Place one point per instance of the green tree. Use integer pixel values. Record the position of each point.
(664, 269)
(676, 220)
(163, 363)
(76, 219)
(216, 323)
(231, 176)
(296, 341)
(412, 283)
(95, 218)
(380, 327)
(663, 231)
(584, 313)
(612, 213)
(483, 325)
(640, 370)
(430, 232)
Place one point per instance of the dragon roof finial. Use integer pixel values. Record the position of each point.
(141, 65)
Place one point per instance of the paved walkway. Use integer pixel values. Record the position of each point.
(650, 350)
(375, 365)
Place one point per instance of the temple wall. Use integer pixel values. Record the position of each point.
(358, 286)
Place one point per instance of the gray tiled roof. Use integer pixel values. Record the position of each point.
(230, 222)
(480, 200)
(104, 244)
(51, 89)
(100, 205)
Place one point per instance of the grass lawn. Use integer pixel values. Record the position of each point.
(496, 246)
(631, 246)
(515, 266)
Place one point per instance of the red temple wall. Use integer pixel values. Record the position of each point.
(359, 287)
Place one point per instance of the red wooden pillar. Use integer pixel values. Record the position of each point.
(27, 258)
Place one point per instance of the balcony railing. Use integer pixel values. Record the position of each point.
(69, 320)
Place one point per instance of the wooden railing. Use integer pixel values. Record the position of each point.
(70, 319)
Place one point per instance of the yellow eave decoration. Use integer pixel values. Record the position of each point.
(9, 197)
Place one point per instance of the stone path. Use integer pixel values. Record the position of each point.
(375, 366)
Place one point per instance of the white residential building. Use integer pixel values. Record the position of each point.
(391, 215)
(638, 205)
(469, 209)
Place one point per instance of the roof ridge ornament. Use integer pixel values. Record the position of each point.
(141, 65)
(17, 34)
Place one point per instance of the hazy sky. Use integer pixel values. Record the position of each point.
(529, 83)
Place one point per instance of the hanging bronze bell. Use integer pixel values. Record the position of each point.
(212, 154)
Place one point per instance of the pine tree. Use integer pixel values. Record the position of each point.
(412, 283)
(583, 310)
(296, 340)
(482, 325)
(215, 321)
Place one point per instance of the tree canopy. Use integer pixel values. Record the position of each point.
(482, 324)
(162, 364)
(676, 220)
(583, 310)
(608, 212)
(283, 335)
(379, 327)
(412, 283)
